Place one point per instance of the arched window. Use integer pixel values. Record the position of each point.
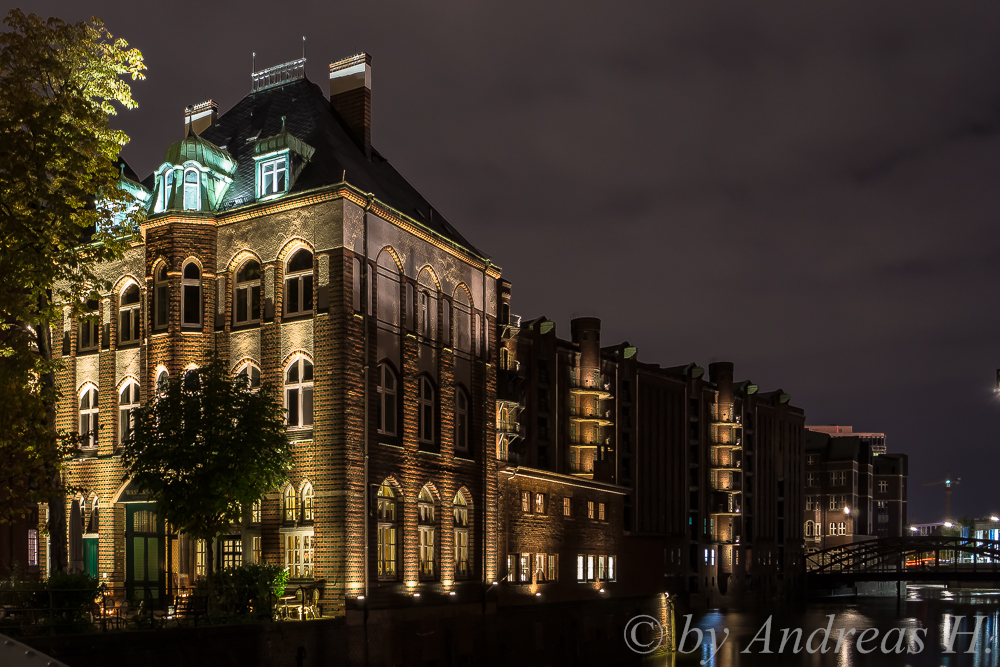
(299, 393)
(809, 528)
(161, 296)
(426, 411)
(386, 532)
(129, 320)
(90, 327)
(290, 504)
(128, 401)
(461, 420)
(247, 306)
(192, 193)
(162, 382)
(92, 519)
(387, 309)
(307, 502)
(427, 304)
(463, 321)
(251, 374)
(299, 284)
(191, 295)
(425, 530)
(167, 189)
(386, 400)
(461, 512)
(88, 417)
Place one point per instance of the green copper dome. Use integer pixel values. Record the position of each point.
(204, 152)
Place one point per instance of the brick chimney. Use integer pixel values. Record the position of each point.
(351, 96)
(200, 117)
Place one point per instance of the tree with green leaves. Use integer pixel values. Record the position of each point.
(59, 84)
(206, 447)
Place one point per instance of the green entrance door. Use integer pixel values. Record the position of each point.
(90, 556)
(143, 552)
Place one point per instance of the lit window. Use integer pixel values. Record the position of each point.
(129, 320)
(567, 511)
(809, 528)
(600, 511)
(590, 568)
(590, 509)
(611, 569)
(524, 568)
(255, 512)
(600, 568)
(461, 420)
(581, 572)
(842, 528)
(128, 401)
(307, 502)
(540, 569)
(290, 504)
(200, 558)
(251, 374)
(192, 193)
(299, 554)
(525, 501)
(90, 327)
(191, 295)
(32, 547)
(299, 393)
(425, 411)
(461, 512)
(386, 401)
(552, 562)
(425, 530)
(256, 549)
(540, 503)
(161, 296)
(273, 177)
(247, 306)
(299, 284)
(88, 417)
(386, 532)
(162, 382)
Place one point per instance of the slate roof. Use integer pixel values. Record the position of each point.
(311, 119)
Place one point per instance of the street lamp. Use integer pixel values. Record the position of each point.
(847, 510)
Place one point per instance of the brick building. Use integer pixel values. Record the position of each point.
(702, 474)
(280, 237)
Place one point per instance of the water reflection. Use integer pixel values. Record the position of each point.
(917, 631)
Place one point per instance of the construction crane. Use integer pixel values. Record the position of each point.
(948, 481)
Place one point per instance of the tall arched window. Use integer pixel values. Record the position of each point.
(307, 502)
(290, 504)
(299, 283)
(426, 410)
(128, 401)
(191, 295)
(463, 321)
(161, 296)
(167, 189)
(90, 326)
(809, 528)
(387, 309)
(461, 512)
(247, 297)
(129, 319)
(426, 304)
(192, 193)
(162, 382)
(251, 373)
(88, 417)
(461, 420)
(386, 532)
(299, 393)
(425, 530)
(386, 400)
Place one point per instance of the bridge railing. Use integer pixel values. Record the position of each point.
(906, 553)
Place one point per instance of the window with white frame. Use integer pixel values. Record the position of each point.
(129, 315)
(299, 393)
(810, 479)
(425, 531)
(161, 296)
(600, 568)
(833, 528)
(461, 419)
(299, 551)
(591, 567)
(552, 563)
(386, 532)
(525, 501)
(299, 283)
(128, 402)
(247, 297)
(192, 191)
(307, 502)
(883, 487)
(167, 178)
(256, 512)
(386, 417)
(809, 528)
(600, 511)
(32, 547)
(567, 509)
(833, 502)
(461, 514)
(88, 417)
(200, 557)
(581, 568)
(290, 504)
(250, 374)
(425, 411)
(539, 503)
(842, 528)
(524, 568)
(273, 176)
(191, 295)
(90, 327)
(612, 570)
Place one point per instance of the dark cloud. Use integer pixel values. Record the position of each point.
(805, 189)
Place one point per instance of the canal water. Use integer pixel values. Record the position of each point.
(919, 630)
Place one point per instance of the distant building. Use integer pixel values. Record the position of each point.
(875, 440)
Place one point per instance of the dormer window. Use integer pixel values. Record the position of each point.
(273, 177)
(168, 186)
(192, 195)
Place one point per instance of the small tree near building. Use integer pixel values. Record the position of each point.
(205, 447)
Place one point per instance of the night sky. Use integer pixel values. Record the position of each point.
(808, 190)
